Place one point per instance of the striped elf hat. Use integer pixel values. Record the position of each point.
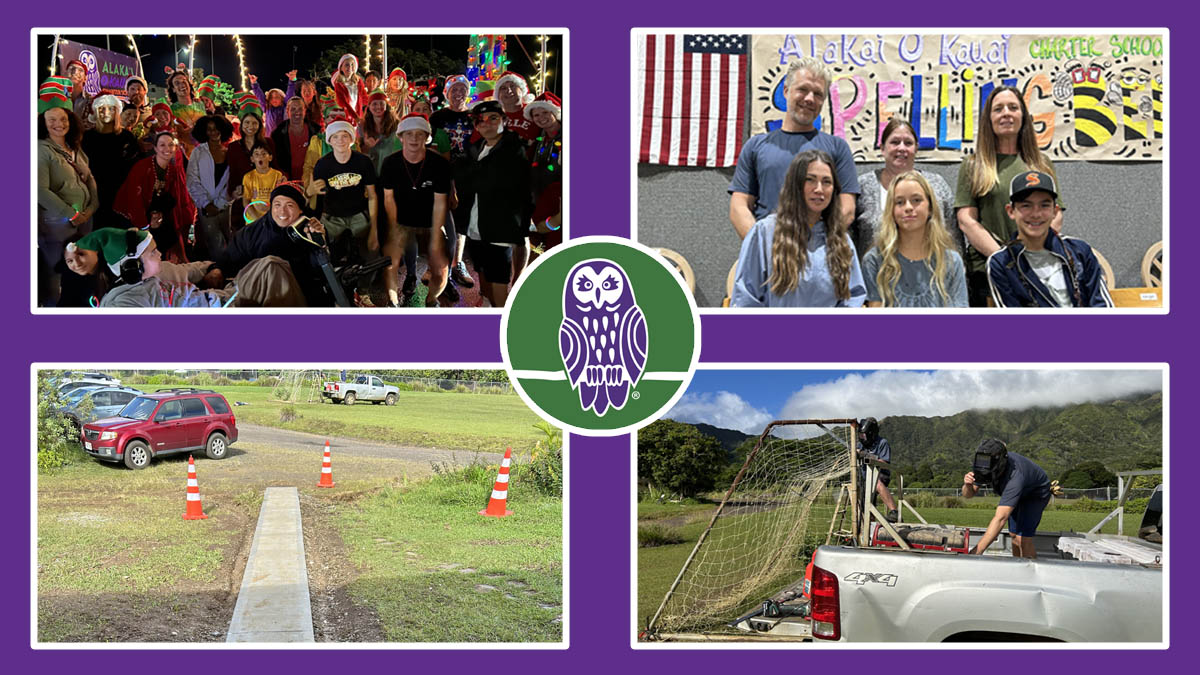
(247, 102)
(55, 92)
(208, 87)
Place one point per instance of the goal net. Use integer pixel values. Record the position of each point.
(776, 512)
(297, 386)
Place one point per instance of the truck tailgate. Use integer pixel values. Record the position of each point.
(892, 595)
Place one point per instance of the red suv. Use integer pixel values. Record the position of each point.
(165, 422)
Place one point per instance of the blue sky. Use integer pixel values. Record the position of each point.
(747, 400)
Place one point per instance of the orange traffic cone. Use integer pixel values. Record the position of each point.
(326, 470)
(195, 510)
(496, 505)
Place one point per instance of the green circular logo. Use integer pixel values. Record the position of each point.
(600, 336)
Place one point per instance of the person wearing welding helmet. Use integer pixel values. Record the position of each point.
(870, 443)
(1024, 491)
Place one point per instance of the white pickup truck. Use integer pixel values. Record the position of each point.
(891, 595)
(363, 388)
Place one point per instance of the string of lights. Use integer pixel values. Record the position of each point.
(241, 52)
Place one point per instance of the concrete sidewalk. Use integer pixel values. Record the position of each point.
(273, 604)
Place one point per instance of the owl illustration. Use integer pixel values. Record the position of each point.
(602, 338)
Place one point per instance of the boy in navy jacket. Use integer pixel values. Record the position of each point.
(1040, 268)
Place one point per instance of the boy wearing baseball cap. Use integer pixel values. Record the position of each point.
(1040, 268)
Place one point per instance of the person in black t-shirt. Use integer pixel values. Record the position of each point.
(452, 130)
(347, 180)
(416, 189)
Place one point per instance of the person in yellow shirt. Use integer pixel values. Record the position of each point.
(258, 184)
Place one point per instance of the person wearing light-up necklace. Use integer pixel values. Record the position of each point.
(547, 165)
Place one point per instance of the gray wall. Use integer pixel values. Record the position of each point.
(1114, 206)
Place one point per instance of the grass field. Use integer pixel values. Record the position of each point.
(658, 566)
(434, 570)
(453, 421)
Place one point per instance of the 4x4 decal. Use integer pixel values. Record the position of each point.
(861, 578)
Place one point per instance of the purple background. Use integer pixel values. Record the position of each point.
(599, 614)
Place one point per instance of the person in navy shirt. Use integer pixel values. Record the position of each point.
(877, 447)
(1024, 491)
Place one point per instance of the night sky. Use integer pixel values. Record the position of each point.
(270, 56)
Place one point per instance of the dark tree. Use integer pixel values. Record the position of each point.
(676, 457)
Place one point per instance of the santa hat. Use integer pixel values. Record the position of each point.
(342, 60)
(377, 95)
(135, 78)
(336, 126)
(413, 121)
(77, 62)
(548, 102)
(398, 71)
(521, 84)
(117, 245)
(453, 80)
(55, 92)
(161, 105)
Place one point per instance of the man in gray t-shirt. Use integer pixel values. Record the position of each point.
(764, 160)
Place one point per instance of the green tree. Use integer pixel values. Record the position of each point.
(57, 436)
(676, 457)
(1100, 475)
(1077, 480)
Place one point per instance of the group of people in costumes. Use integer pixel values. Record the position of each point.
(370, 165)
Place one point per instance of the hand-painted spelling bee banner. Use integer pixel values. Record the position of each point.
(1091, 96)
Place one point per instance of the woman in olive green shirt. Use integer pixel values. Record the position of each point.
(1007, 146)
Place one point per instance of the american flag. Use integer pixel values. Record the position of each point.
(693, 98)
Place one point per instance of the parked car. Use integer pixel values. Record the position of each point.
(105, 402)
(165, 422)
(74, 380)
(363, 388)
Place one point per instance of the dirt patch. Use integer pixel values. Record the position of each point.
(194, 612)
(336, 616)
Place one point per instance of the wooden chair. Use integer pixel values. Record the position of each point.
(729, 284)
(1109, 280)
(681, 265)
(1152, 266)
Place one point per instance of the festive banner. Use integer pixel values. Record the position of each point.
(1091, 96)
(107, 71)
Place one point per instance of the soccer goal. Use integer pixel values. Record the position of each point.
(297, 386)
(778, 509)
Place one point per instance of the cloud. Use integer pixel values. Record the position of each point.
(720, 409)
(948, 392)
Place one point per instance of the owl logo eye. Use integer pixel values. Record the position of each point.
(610, 284)
(584, 284)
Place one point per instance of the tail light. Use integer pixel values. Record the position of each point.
(826, 610)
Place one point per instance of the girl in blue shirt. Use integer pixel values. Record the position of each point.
(801, 256)
(914, 262)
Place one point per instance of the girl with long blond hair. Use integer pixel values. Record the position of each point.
(1007, 147)
(914, 262)
(801, 255)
